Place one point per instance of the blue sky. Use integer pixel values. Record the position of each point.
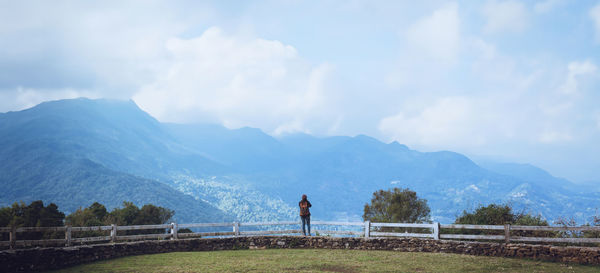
(507, 80)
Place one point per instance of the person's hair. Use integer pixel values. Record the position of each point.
(304, 197)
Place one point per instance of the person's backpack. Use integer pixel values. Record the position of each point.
(304, 208)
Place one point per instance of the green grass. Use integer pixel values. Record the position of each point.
(321, 260)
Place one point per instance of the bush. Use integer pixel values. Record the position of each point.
(495, 214)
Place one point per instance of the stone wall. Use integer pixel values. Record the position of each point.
(38, 259)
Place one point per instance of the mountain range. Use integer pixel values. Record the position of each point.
(79, 151)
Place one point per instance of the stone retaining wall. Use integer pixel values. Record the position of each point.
(39, 259)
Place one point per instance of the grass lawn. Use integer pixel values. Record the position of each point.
(321, 260)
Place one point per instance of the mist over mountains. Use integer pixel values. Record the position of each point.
(76, 152)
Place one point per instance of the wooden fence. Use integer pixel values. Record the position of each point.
(506, 233)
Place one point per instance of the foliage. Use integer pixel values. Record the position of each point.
(130, 214)
(492, 214)
(501, 214)
(185, 230)
(32, 215)
(495, 214)
(530, 220)
(38, 215)
(93, 215)
(595, 223)
(570, 222)
(397, 206)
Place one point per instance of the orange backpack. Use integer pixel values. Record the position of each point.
(304, 208)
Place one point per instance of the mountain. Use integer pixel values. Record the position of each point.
(72, 183)
(82, 146)
(352, 168)
(75, 152)
(89, 148)
(526, 172)
(115, 133)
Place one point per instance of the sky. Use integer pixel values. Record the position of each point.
(512, 81)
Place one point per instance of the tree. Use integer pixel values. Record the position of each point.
(32, 215)
(94, 215)
(495, 214)
(130, 214)
(151, 214)
(397, 206)
(492, 214)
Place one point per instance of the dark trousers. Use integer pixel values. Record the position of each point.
(305, 221)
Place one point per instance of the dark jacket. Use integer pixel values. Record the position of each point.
(304, 205)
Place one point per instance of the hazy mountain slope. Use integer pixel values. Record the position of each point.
(528, 173)
(72, 183)
(123, 144)
(116, 134)
(245, 149)
(341, 173)
(254, 176)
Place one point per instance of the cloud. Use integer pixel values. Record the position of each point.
(29, 97)
(595, 16)
(506, 108)
(446, 122)
(555, 136)
(576, 70)
(240, 81)
(505, 16)
(82, 49)
(547, 6)
(437, 35)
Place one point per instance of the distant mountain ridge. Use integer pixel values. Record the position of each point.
(84, 146)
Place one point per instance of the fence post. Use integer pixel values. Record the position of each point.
(236, 228)
(113, 233)
(367, 229)
(13, 237)
(436, 230)
(507, 233)
(68, 235)
(174, 231)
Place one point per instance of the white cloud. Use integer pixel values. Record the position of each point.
(240, 82)
(547, 6)
(447, 122)
(595, 16)
(437, 35)
(29, 97)
(575, 71)
(551, 136)
(90, 49)
(491, 66)
(505, 16)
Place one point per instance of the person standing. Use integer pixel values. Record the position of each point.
(305, 213)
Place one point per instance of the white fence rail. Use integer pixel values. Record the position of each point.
(506, 233)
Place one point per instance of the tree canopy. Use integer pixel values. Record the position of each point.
(38, 215)
(129, 214)
(32, 215)
(397, 205)
(495, 214)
